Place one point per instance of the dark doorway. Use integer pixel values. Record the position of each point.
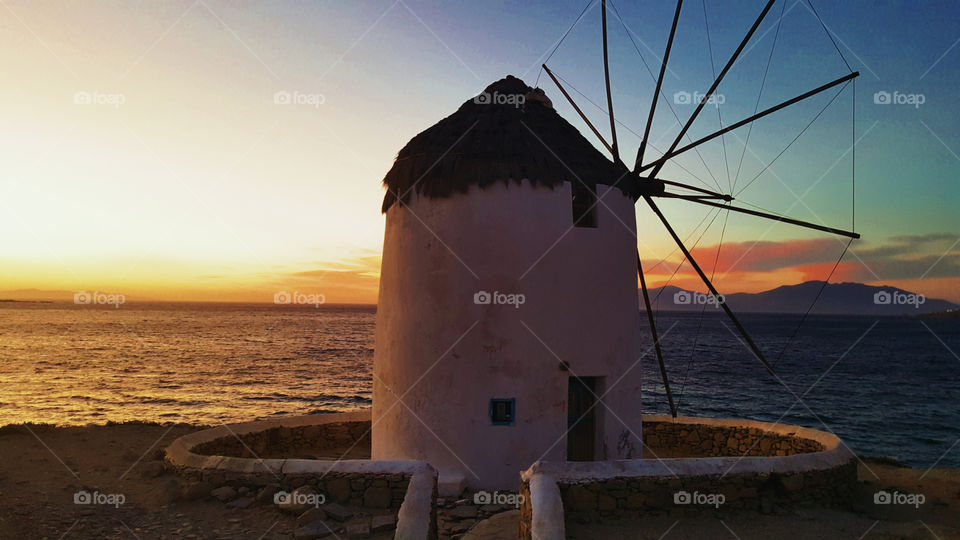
(584, 206)
(581, 418)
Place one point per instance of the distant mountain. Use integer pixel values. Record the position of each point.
(35, 295)
(837, 299)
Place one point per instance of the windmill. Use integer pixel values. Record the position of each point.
(648, 186)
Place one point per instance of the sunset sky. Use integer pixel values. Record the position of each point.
(182, 179)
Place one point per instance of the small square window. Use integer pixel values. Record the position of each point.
(502, 411)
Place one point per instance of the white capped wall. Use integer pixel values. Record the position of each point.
(445, 357)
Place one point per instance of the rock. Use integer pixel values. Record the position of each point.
(311, 515)
(196, 491)
(244, 490)
(766, 505)
(461, 526)
(316, 529)
(151, 469)
(358, 528)
(338, 489)
(224, 494)
(377, 497)
(337, 512)
(606, 502)
(793, 482)
(693, 438)
(266, 493)
(463, 512)
(169, 491)
(299, 500)
(241, 503)
(384, 522)
(733, 443)
(581, 498)
(497, 526)
(635, 500)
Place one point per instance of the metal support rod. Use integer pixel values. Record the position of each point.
(743, 332)
(698, 189)
(716, 83)
(775, 217)
(656, 92)
(606, 75)
(731, 127)
(694, 197)
(656, 337)
(576, 108)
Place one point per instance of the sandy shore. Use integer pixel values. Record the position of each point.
(43, 467)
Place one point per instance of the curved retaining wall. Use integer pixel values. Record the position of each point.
(809, 467)
(409, 486)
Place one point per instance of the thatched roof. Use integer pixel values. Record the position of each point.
(507, 139)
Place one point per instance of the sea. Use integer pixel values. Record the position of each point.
(887, 386)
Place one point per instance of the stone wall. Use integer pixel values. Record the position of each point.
(304, 442)
(268, 456)
(763, 492)
(697, 465)
(668, 439)
(368, 490)
(525, 530)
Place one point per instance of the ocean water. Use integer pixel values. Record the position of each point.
(887, 386)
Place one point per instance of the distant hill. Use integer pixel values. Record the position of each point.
(35, 295)
(952, 314)
(837, 299)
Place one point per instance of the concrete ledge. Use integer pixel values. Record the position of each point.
(545, 510)
(834, 454)
(418, 513)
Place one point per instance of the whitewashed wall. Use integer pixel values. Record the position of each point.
(446, 356)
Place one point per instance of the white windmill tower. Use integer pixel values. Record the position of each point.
(507, 296)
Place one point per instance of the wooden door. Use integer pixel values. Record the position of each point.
(581, 419)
